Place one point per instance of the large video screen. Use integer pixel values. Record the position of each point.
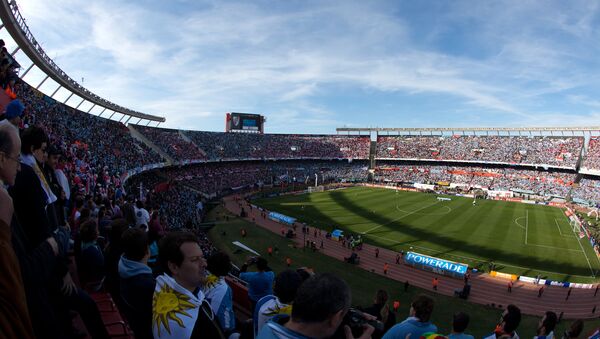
(245, 122)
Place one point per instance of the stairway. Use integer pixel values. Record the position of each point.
(372, 154)
(188, 139)
(139, 136)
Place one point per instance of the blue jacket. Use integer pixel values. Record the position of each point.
(137, 289)
(411, 325)
(259, 283)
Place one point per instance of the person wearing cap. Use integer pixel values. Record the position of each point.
(13, 113)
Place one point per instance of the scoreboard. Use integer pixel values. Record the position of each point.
(244, 122)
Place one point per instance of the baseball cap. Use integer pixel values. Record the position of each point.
(14, 109)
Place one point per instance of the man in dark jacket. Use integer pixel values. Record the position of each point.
(42, 270)
(381, 310)
(137, 282)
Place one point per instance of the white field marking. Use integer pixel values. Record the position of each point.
(526, 224)
(555, 248)
(545, 246)
(449, 210)
(404, 216)
(526, 217)
(559, 231)
(518, 224)
(585, 254)
(480, 260)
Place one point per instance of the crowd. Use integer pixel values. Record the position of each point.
(90, 143)
(588, 189)
(280, 146)
(171, 141)
(216, 178)
(552, 151)
(539, 182)
(61, 195)
(8, 70)
(592, 157)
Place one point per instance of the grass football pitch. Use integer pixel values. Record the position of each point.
(519, 238)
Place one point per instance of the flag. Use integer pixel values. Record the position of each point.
(174, 309)
(162, 187)
(220, 296)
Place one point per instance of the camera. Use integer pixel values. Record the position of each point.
(253, 260)
(355, 319)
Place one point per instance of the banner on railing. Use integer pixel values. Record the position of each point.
(435, 265)
(281, 218)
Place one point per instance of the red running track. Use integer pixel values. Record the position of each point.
(485, 289)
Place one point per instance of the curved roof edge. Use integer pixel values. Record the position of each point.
(15, 24)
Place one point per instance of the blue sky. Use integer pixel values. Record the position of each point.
(312, 66)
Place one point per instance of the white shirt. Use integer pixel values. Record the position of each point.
(142, 217)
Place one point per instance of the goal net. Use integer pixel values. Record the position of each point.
(312, 189)
(575, 226)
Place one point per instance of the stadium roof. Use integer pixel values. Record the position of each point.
(15, 24)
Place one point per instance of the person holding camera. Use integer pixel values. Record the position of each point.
(260, 283)
(319, 309)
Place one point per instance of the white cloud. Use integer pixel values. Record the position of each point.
(192, 62)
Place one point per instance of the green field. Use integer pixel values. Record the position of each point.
(364, 284)
(519, 238)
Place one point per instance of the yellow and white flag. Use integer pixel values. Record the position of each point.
(174, 309)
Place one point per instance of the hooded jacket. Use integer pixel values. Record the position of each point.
(137, 287)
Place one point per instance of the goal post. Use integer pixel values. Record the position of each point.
(319, 188)
(575, 226)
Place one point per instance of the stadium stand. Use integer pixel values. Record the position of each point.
(86, 188)
(505, 179)
(172, 142)
(550, 151)
(592, 157)
(280, 146)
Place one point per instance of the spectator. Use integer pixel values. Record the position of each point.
(218, 293)
(286, 286)
(57, 209)
(34, 245)
(155, 225)
(142, 217)
(418, 321)
(112, 256)
(31, 193)
(14, 112)
(136, 281)
(574, 330)
(91, 260)
(260, 283)
(381, 310)
(546, 326)
(153, 238)
(510, 320)
(460, 322)
(15, 321)
(320, 305)
(179, 305)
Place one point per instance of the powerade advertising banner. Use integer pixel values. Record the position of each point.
(281, 218)
(436, 265)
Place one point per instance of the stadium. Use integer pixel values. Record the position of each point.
(471, 219)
